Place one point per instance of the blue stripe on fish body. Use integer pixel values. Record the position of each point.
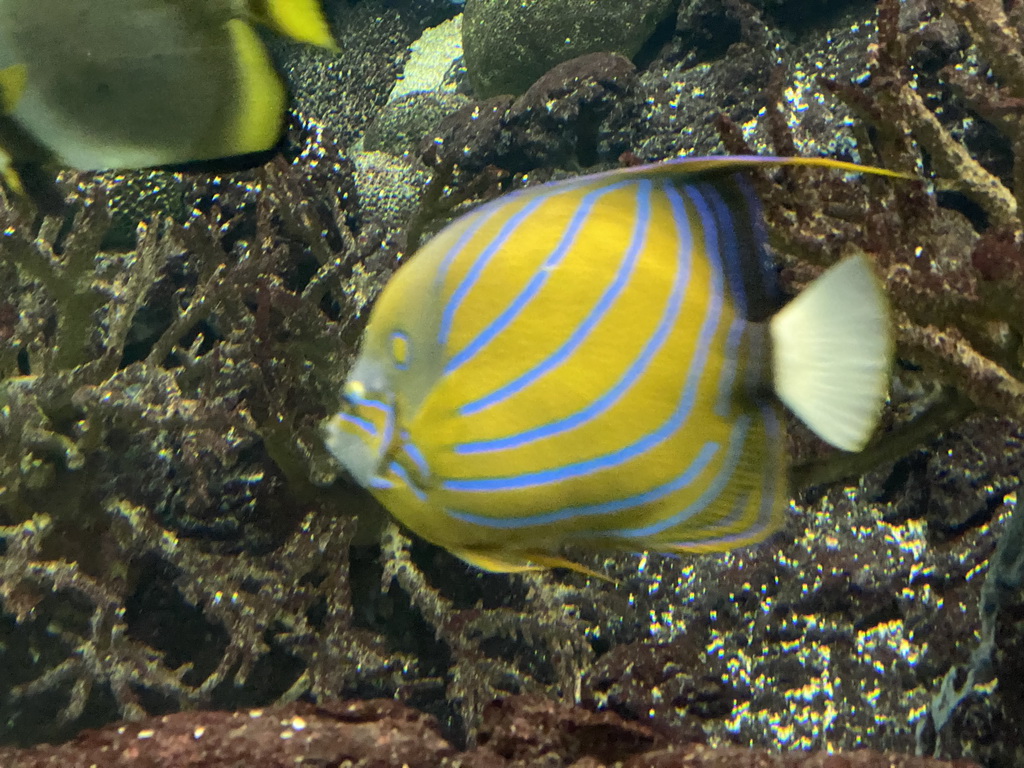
(609, 440)
(674, 427)
(596, 313)
(570, 297)
(579, 362)
(684, 479)
(538, 277)
(652, 345)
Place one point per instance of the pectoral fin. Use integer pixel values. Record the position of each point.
(12, 85)
(9, 176)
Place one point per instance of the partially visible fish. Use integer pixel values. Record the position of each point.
(599, 362)
(102, 84)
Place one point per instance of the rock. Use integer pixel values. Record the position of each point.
(435, 61)
(510, 43)
(402, 124)
(390, 187)
(380, 733)
(536, 730)
(672, 686)
(517, 732)
(572, 117)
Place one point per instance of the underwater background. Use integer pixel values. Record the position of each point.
(175, 538)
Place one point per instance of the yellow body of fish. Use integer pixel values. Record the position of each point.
(99, 84)
(599, 362)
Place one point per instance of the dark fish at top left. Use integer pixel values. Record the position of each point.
(103, 84)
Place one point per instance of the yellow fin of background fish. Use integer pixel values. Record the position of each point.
(12, 86)
(10, 176)
(301, 20)
(831, 349)
(261, 103)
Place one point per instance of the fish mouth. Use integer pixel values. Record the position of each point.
(366, 438)
(359, 433)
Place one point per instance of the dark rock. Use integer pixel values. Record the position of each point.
(665, 684)
(517, 731)
(532, 729)
(509, 44)
(575, 116)
(469, 137)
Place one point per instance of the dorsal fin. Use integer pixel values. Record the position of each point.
(735, 214)
(301, 20)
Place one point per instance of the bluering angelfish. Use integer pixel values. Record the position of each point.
(596, 362)
(99, 84)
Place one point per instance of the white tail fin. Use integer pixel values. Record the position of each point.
(831, 350)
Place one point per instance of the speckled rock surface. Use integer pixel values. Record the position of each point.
(390, 185)
(509, 44)
(808, 640)
(401, 124)
(435, 61)
(342, 92)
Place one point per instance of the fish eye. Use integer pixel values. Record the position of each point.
(400, 352)
(353, 393)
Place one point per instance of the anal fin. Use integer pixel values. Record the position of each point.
(522, 562)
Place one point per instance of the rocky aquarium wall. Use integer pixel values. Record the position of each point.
(187, 576)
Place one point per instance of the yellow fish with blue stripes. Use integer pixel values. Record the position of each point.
(599, 362)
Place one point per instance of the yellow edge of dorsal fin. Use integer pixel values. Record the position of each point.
(12, 85)
(301, 20)
(828, 162)
(683, 167)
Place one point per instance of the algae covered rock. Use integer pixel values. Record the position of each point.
(402, 124)
(510, 43)
(435, 61)
(389, 186)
